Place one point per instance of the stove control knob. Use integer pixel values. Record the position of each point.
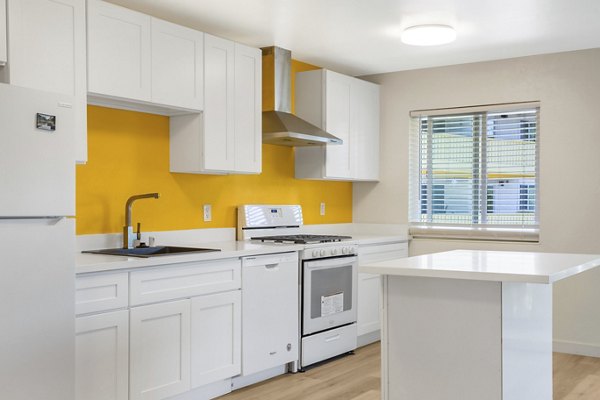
(344, 250)
(334, 251)
(315, 253)
(323, 253)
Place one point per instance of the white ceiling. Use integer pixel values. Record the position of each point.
(360, 37)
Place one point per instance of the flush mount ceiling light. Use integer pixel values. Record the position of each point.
(428, 35)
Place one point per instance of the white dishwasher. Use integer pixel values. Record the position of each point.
(269, 311)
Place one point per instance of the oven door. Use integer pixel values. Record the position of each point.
(329, 293)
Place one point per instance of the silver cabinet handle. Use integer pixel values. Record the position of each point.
(333, 338)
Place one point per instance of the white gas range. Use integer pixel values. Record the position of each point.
(327, 271)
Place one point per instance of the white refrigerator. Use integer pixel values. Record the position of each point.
(37, 245)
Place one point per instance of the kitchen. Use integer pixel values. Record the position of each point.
(128, 152)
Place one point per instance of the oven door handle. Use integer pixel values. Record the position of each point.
(330, 262)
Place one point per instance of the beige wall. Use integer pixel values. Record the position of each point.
(568, 87)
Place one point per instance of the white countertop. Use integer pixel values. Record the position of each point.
(505, 266)
(87, 263)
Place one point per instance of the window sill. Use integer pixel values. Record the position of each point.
(476, 234)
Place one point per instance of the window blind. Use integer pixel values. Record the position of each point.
(474, 173)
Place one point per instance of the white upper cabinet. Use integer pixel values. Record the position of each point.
(119, 52)
(219, 121)
(248, 109)
(348, 108)
(2, 32)
(177, 65)
(227, 137)
(338, 113)
(366, 131)
(47, 51)
(142, 63)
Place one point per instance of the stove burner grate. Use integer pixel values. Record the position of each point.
(302, 239)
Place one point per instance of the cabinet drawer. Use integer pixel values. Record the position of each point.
(270, 260)
(382, 252)
(324, 345)
(184, 280)
(100, 292)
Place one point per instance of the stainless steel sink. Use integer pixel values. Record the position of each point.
(146, 252)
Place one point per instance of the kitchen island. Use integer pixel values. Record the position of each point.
(471, 325)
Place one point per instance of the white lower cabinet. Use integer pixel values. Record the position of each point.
(179, 331)
(369, 288)
(102, 356)
(216, 337)
(178, 346)
(160, 350)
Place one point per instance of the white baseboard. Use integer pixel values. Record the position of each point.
(369, 338)
(582, 349)
(210, 391)
(239, 382)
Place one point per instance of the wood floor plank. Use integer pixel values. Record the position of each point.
(358, 377)
(576, 377)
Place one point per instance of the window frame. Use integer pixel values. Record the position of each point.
(482, 229)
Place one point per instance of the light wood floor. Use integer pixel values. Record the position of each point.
(357, 377)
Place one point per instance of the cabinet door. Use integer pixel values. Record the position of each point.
(270, 328)
(102, 356)
(365, 130)
(369, 288)
(369, 285)
(216, 337)
(219, 140)
(177, 65)
(160, 350)
(118, 51)
(338, 112)
(2, 32)
(248, 109)
(48, 52)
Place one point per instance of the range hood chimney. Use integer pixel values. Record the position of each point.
(280, 126)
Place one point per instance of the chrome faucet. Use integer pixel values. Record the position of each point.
(128, 236)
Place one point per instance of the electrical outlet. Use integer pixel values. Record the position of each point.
(322, 211)
(207, 213)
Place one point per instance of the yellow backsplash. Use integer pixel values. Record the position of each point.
(128, 153)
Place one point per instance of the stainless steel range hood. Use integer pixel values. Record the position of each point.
(280, 126)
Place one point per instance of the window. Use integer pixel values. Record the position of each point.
(474, 172)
